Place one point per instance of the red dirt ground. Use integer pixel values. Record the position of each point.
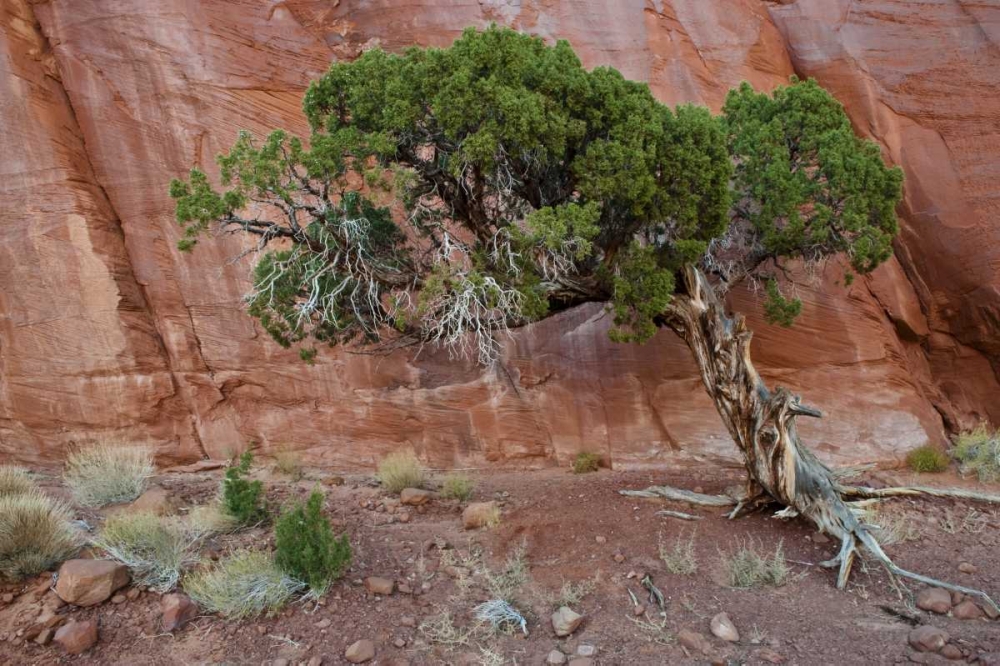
(571, 527)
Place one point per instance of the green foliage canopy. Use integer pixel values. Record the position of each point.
(449, 194)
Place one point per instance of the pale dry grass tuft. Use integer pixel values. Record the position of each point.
(36, 533)
(207, 520)
(14, 481)
(154, 549)
(106, 473)
(458, 487)
(401, 470)
(751, 566)
(978, 452)
(244, 584)
(890, 526)
(680, 558)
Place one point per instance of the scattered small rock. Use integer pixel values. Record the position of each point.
(935, 600)
(565, 621)
(926, 638)
(119, 599)
(770, 656)
(399, 643)
(324, 623)
(360, 652)
(619, 558)
(952, 652)
(379, 585)
(694, 641)
(967, 611)
(555, 657)
(967, 568)
(178, 610)
(479, 514)
(585, 650)
(723, 627)
(7, 598)
(77, 637)
(415, 496)
(133, 594)
(820, 538)
(601, 539)
(407, 621)
(639, 610)
(89, 582)
(581, 661)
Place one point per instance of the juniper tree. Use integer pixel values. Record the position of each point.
(449, 195)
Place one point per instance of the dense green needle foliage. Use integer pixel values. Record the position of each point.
(448, 194)
(243, 499)
(305, 547)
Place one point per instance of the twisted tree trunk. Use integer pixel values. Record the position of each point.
(762, 423)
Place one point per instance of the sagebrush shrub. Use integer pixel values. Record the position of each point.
(14, 481)
(244, 584)
(681, 557)
(209, 519)
(243, 499)
(36, 533)
(305, 547)
(586, 462)
(154, 549)
(927, 459)
(457, 486)
(106, 473)
(978, 452)
(401, 470)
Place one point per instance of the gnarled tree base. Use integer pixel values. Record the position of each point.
(779, 467)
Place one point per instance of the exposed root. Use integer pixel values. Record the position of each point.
(677, 514)
(914, 491)
(681, 495)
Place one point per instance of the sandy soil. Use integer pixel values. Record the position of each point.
(572, 528)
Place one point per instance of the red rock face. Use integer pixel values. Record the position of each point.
(105, 330)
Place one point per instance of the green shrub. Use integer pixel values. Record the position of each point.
(14, 481)
(750, 566)
(243, 499)
(244, 584)
(36, 533)
(978, 451)
(305, 547)
(457, 486)
(927, 459)
(153, 548)
(106, 473)
(401, 470)
(586, 462)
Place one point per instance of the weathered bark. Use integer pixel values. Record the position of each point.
(762, 423)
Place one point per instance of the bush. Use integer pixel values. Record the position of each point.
(36, 533)
(458, 487)
(681, 558)
(586, 462)
(245, 584)
(750, 567)
(14, 481)
(927, 459)
(154, 549)
(978, 451)
(306, 548)
(400, 470)
(243, 499)
(106, 473)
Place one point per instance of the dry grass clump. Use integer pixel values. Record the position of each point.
(289, 463)
(106, 473)
(36, 533)
(978, 452)
(586, 462)
(153, 548)
(679, 558)
(750, 566)
(458, 487)
(507, 582)
(245, 584)
(570, 594)
(207, 520)
(890, 527)
(927, 459)
(14, 481)
(441, 630)
(401, 470)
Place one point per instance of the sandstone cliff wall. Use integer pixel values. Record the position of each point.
(106, 331)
